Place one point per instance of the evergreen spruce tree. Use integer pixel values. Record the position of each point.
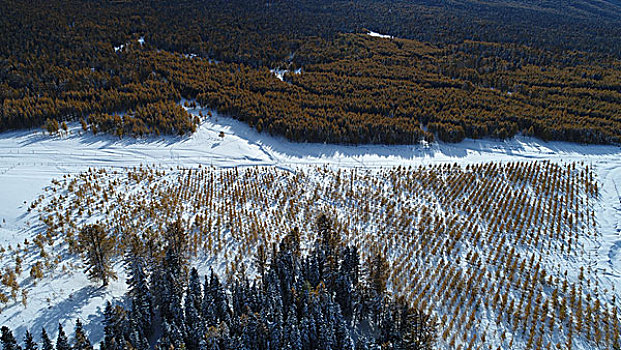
(8, 340)
(209, 315)
(81, 341)
(46, 342)
(194, 323)
(193, 317)
(215, 305)
(139, 293)
(176, 336)
(135, 331)
(291, 332)
(169, 287)
(164, 342)
(307, 330)
(347, 283)
(344, 295)
(195, 289)
(114, 327)
(29, 343)
(62, 343)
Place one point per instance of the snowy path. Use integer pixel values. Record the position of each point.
(609, 218)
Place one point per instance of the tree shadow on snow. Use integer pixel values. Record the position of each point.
(206, 139)
(68, 309)
(519, 145)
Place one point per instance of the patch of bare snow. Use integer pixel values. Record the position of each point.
(280, 73)
(378, 35)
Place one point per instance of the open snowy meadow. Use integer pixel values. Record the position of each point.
(522, 236)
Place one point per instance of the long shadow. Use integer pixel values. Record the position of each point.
(519, 145)
(101, 139)
(67, 309)
(516, 145)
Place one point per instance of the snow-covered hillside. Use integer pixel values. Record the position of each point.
(30, 160)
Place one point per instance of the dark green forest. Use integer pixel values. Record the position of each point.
(454, 69)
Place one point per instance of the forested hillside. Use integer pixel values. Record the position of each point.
(453, 70)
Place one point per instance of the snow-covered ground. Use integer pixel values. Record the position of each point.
(29, 160)
(378, 35)
(280, 73)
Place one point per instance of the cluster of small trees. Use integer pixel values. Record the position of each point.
(80, 340)
(327, 299)
(159, 118)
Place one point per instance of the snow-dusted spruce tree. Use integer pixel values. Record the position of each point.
(29, 343)
(193, 317)
(140, 296)
(46, 342)
(97, 249)
(8, 340)
(62, 343)
(80, 341)
(114, 325)
(169, 287)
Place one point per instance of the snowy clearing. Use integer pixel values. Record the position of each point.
(280, 73)
(29, 160)
(378, 35)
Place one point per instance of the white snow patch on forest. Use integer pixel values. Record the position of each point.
(378, 35)
(280, 73)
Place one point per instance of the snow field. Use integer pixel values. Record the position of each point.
(490, 244)
(448, 224)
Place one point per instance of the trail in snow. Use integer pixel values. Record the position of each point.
(609, 217)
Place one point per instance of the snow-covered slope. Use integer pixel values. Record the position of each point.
(29, 160)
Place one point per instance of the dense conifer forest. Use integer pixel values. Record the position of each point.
(548, 69)
(328, 299)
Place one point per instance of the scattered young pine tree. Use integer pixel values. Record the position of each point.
(97, 248)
